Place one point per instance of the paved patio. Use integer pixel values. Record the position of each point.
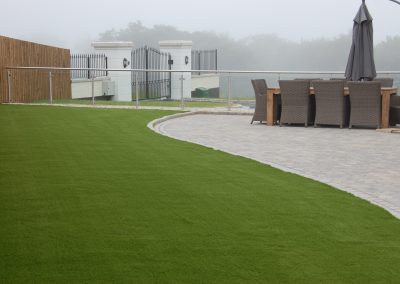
(363, 162)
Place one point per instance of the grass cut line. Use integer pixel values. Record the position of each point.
(94, 196)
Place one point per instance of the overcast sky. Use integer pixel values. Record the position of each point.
(67, 22)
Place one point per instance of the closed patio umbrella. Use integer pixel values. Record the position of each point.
(361, 65)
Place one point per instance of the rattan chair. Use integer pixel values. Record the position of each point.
(312, 98)
(385, 82)
(340, 79)
(331, 106)
(394, 115)
(311, 80)
(365, 102)
(295, 97)
(260, 92)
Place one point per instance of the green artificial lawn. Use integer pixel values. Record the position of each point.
(94, 196)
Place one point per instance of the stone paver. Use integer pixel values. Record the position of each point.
(363, 162)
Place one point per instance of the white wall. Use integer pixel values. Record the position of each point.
(179, 49)
(82, 88)
(116, 52)
(207, 81)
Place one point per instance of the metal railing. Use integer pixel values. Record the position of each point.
(136, 72)
(222, 71)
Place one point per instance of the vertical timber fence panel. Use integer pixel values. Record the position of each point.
(33, 85)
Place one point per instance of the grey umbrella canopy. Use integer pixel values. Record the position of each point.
(361, 65)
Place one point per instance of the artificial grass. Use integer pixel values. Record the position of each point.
(93, 196)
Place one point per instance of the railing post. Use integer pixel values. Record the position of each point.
(88, 66)
(229, 91)
(92, 89)
(199, 58)
(169, 76)
(106, 65)
(170, 85)
(50, 87)
(216, 59)
(147, 73)
(9, 85)
(137, 88)
(182, 102)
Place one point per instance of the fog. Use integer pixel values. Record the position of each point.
(73, 24)
(254, 35)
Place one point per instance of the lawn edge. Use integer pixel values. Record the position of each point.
(157, 126)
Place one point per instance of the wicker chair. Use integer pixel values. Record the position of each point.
(365, 101)
(385, 82)
(331, 106)
(312, 98)
(311, 80)
(260, 91)
(295, 97)
(394, 115)
(340, 79)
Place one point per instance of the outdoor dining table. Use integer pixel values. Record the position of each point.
(385, 93)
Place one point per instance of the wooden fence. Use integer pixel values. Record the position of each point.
(33, 85)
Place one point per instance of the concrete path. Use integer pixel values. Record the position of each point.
(363, 162)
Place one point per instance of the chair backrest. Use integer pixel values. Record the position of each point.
(385, 82)
(260, 86)
(329, 90)
(395, 101)
(365, 94)
(294, 92)
(311, 80)
(340, 79)
(260, 91)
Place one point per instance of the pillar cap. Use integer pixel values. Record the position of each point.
(175, 43)
(112, 45)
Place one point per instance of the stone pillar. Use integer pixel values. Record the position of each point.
(181, 54)
(117, 54)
